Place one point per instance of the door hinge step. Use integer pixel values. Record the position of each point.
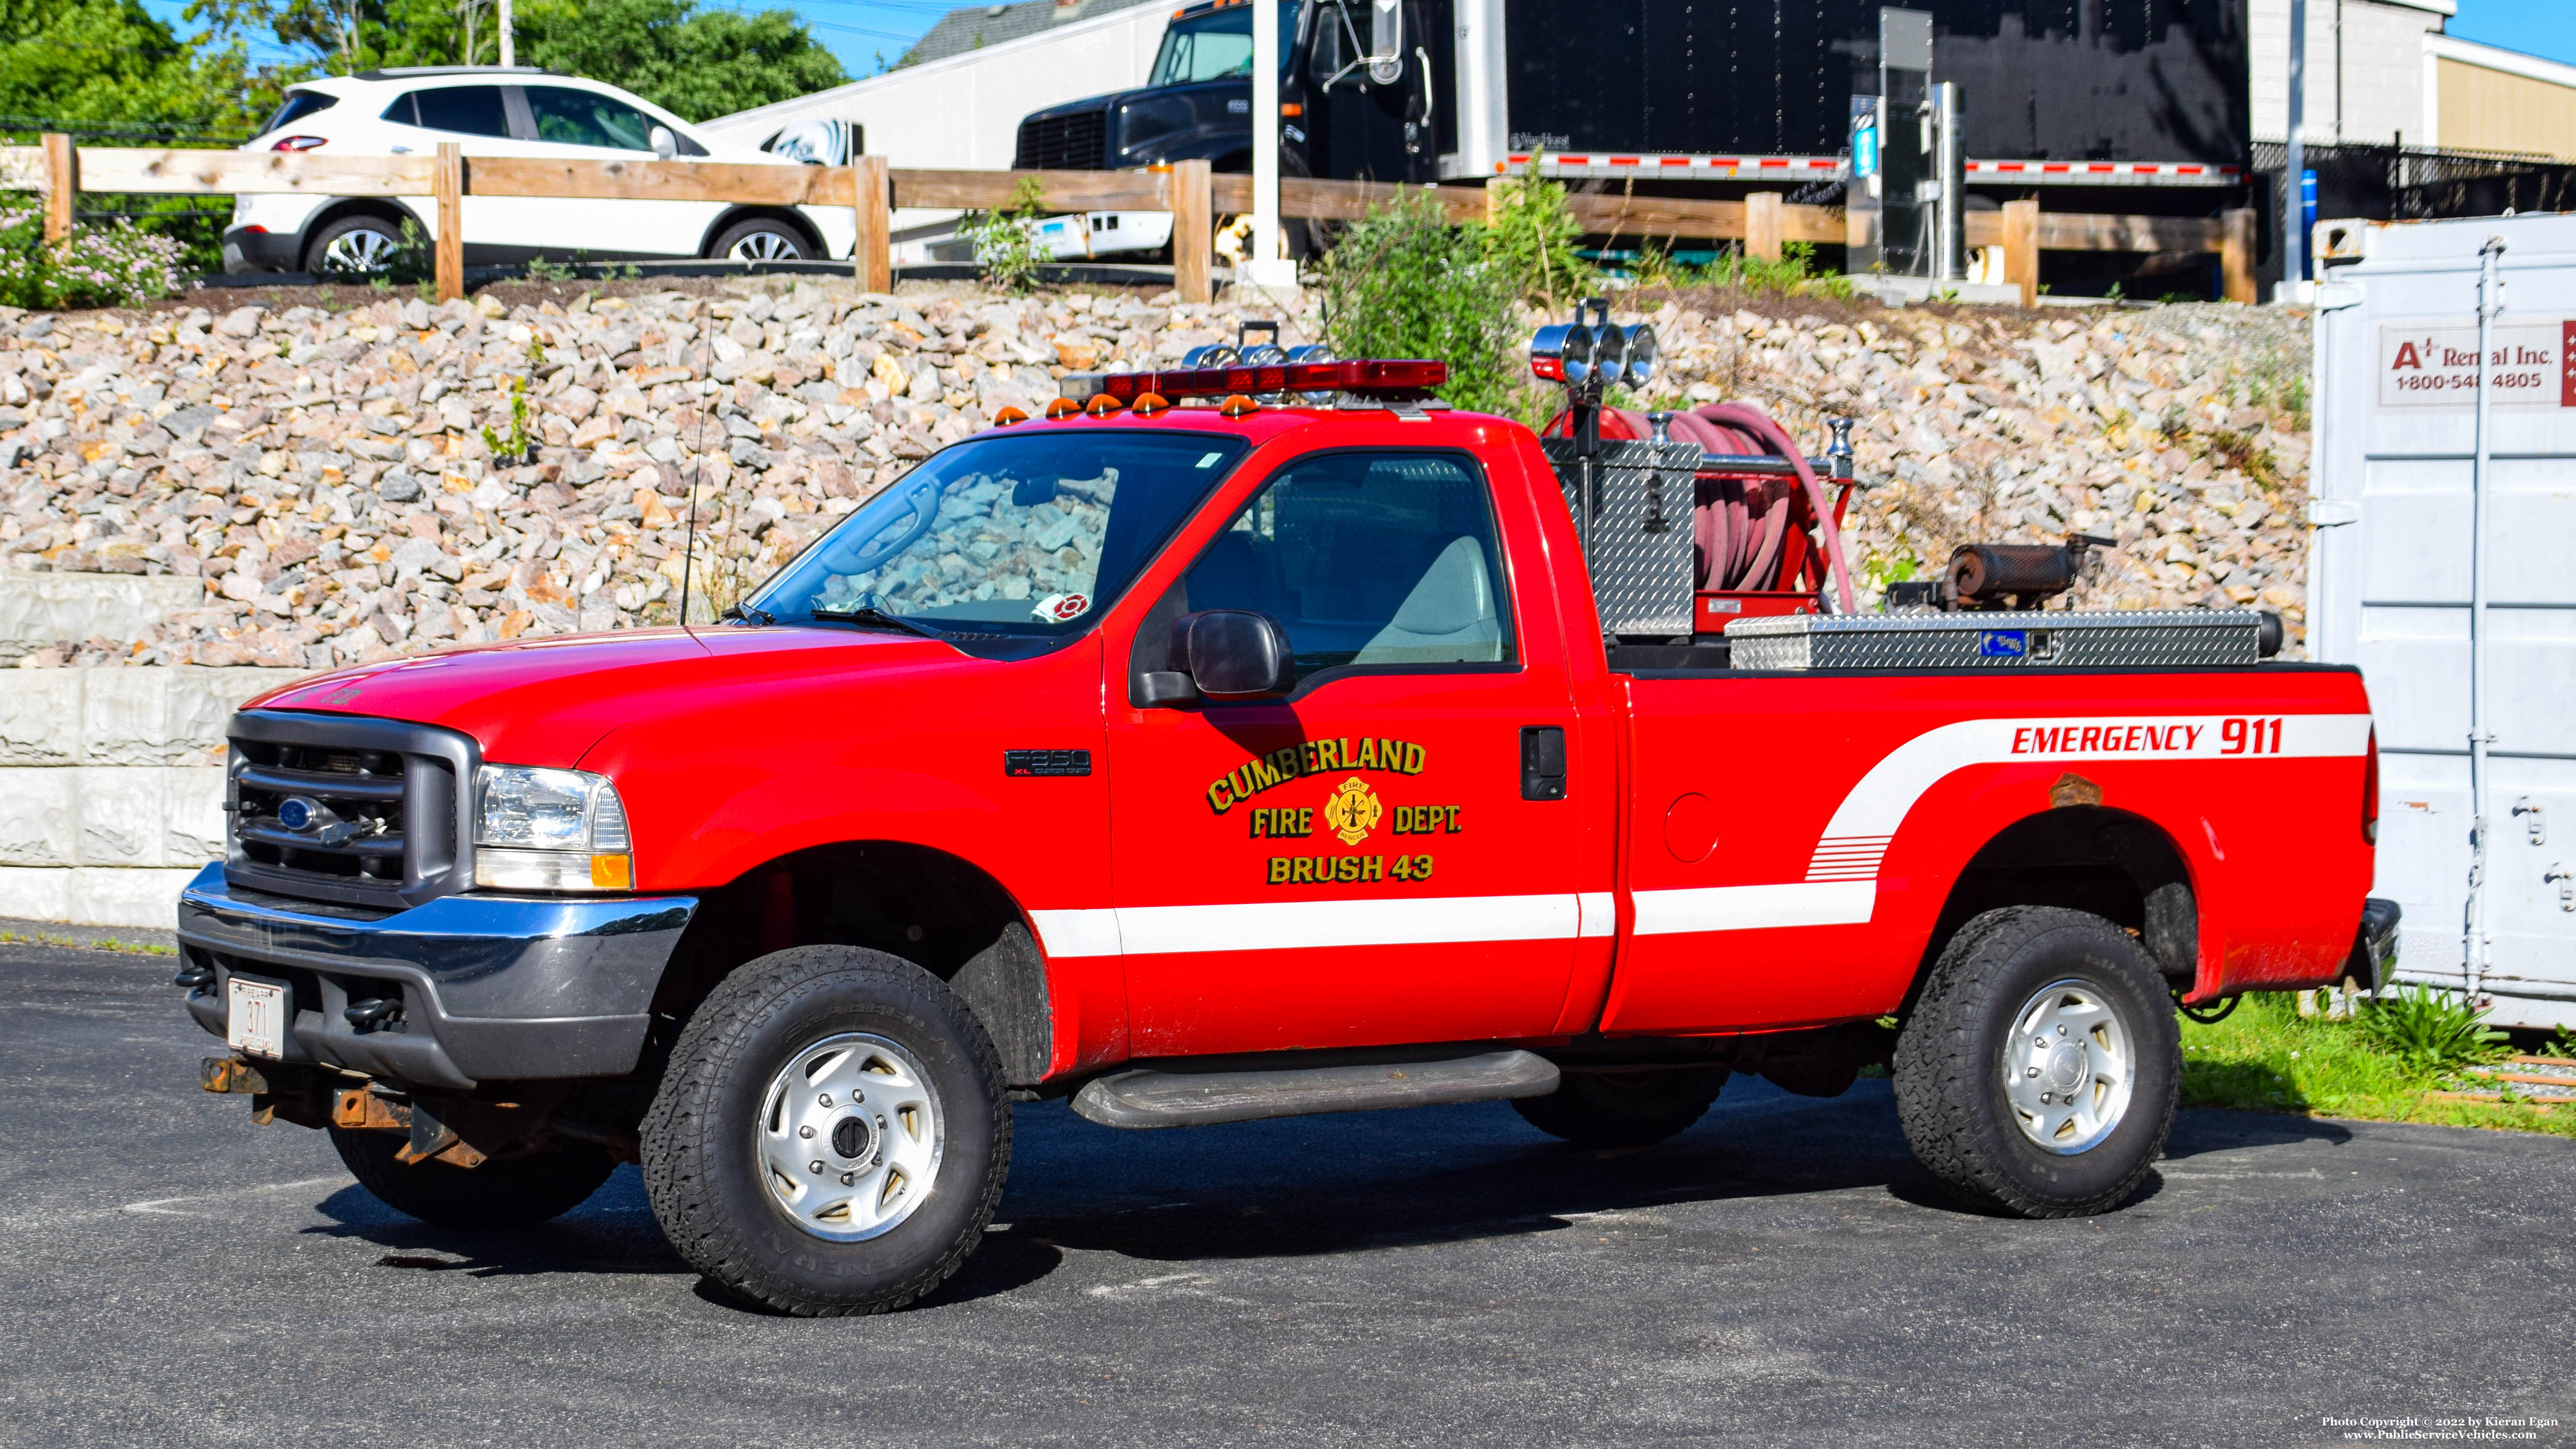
(1161, 1097)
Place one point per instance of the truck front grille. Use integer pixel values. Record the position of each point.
(1071, 142)
(357, 811)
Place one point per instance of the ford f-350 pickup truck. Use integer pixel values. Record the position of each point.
(1256, 741)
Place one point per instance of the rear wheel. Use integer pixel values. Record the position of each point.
(762, 240)
(832, 1134)
(2039, 1070)
(514, 1191)
(1624, 1109)
(355, 246)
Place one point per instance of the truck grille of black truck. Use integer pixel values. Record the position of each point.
(357, 812)
(1070, 142)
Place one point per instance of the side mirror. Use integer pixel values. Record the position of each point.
(665, 145)
(1223, 655)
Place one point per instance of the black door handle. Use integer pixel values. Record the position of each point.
(1542, 763)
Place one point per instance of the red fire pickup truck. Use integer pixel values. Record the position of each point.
(1206, 760)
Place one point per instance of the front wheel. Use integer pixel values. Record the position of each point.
(2040, 1068)
(832, 1134)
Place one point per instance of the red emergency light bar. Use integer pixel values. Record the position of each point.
(1378, 377)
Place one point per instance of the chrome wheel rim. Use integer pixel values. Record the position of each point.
(360, 251)
(764, 246)
(849, 1137)
(2069, 1067)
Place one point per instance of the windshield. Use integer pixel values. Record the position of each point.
(1218, 46)
(1027, 534)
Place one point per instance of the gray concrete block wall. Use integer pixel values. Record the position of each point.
(112, 787)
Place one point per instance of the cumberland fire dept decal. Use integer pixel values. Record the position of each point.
(1349, 811)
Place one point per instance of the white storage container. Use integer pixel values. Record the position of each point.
(2395, 405)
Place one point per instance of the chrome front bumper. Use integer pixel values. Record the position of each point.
(493, 988)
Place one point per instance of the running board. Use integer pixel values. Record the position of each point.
(1155, 1097)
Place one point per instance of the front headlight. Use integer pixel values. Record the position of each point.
(550, 830)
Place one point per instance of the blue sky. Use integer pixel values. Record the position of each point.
(859, 30)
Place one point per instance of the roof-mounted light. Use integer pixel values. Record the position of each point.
(1365, 377)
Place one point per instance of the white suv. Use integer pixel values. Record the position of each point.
(514, 112)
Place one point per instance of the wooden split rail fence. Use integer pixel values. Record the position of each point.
(1764, 221)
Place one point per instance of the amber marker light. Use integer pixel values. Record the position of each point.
(1151, 405)
(1237, 406)
(1008, 416)
(1063, 407)
(1102, 406)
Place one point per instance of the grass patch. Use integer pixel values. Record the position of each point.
(104, 943)
(2268, 1058)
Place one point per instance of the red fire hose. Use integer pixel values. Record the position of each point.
(1742, 527)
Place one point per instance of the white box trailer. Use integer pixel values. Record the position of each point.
(2397, 454)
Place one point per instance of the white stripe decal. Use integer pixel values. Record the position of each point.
(1755, 908)
(1077, 933)
(1316, 925)
(1880, 802)
(1600, 913)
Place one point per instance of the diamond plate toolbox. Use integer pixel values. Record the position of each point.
(2001, 640)
(1637, 540)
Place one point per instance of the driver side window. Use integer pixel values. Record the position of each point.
(1367, 558)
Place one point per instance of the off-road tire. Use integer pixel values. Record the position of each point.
(704, 1179)
(1950, 1063)
(516, 1190)
(1624, 1109)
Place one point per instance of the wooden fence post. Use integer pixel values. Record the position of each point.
(1193, 231)
(1762, 226)
(62, 183)
(2021, 248)
(872, 255)
(2236, 256)
(447, 185)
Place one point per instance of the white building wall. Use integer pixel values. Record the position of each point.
(2379, 80)
(964, 111)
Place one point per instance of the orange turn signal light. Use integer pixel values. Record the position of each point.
(1151, 405)
(1063, 407)
(1103, 405)
(1237, 406)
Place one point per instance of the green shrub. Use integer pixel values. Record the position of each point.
(1405, 283)
(115, 266)
(2438, 1029)
(1006, 242)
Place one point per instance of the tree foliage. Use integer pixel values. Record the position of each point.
(696, 63)
(110, 64)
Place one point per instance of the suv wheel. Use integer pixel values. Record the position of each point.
(1624, 1109)
(762, 240)
(831, 1135)
(2039, 1070)
(354, 245)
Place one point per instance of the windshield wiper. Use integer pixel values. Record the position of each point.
(748, 614)
(871, 616)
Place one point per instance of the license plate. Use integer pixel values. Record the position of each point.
(255, 1017)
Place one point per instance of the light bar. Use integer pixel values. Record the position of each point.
(1373, 376)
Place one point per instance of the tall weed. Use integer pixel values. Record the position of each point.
(2437, 1029)
(1529, 234)
(1006, 241)
(1405, 283)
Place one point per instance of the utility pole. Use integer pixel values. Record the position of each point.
(2294, 167)
(509, 53)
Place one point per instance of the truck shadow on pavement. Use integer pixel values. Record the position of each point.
(1310, 1186)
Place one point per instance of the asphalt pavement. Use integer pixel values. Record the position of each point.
(1781, 1274)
